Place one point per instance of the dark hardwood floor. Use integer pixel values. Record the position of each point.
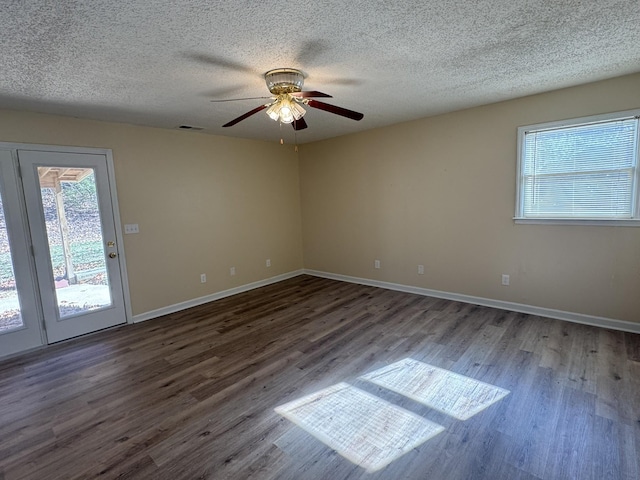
(192, 395)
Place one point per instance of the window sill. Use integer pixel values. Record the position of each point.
(579, 221)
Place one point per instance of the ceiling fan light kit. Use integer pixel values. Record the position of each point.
(286, 109)
(285, 84)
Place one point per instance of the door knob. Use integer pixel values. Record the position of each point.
(112, 255)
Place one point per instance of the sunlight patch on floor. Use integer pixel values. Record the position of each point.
(448, 392)
(361, 427)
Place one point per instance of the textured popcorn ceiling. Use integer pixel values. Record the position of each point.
(159, 62)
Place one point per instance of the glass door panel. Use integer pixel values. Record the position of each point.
(10, 313)
(76, 244)
(20, 318)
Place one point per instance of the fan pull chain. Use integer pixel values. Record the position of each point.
(281, 139)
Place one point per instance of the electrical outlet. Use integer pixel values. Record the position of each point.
(268, 262)
(232, 271)
(376, 263)
(505, 279)
(203, 278)
(420, 269)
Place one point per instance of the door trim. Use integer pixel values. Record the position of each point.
(14, 147)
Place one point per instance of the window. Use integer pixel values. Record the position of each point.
(580, 171)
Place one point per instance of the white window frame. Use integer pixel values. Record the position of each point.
(520, 218)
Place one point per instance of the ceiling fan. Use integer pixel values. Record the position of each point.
(287, 100)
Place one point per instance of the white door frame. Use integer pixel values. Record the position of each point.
(14, 147)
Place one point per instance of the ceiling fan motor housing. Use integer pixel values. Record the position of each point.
(284, 80)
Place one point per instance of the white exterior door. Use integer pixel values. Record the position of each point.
(61, 266)
(72, 226)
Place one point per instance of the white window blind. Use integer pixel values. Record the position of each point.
(585, 170)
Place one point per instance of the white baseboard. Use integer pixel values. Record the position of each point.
(214, 296)
(458, 297)
(487, 302)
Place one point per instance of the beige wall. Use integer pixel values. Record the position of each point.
(438, 192)
(203, 203)
(441, 192)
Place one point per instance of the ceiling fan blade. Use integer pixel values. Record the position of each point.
(346, 82)
(222, 92)
(221, 62)
(310, 94)
(299, 124)
(310, 51)
(236, 99)
(246, 115)
(337, 110)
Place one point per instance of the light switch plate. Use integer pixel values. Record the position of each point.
(131, 228)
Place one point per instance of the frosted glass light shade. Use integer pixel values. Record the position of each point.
(298, 111)
(273, 112)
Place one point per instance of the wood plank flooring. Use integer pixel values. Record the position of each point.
(192, 395)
